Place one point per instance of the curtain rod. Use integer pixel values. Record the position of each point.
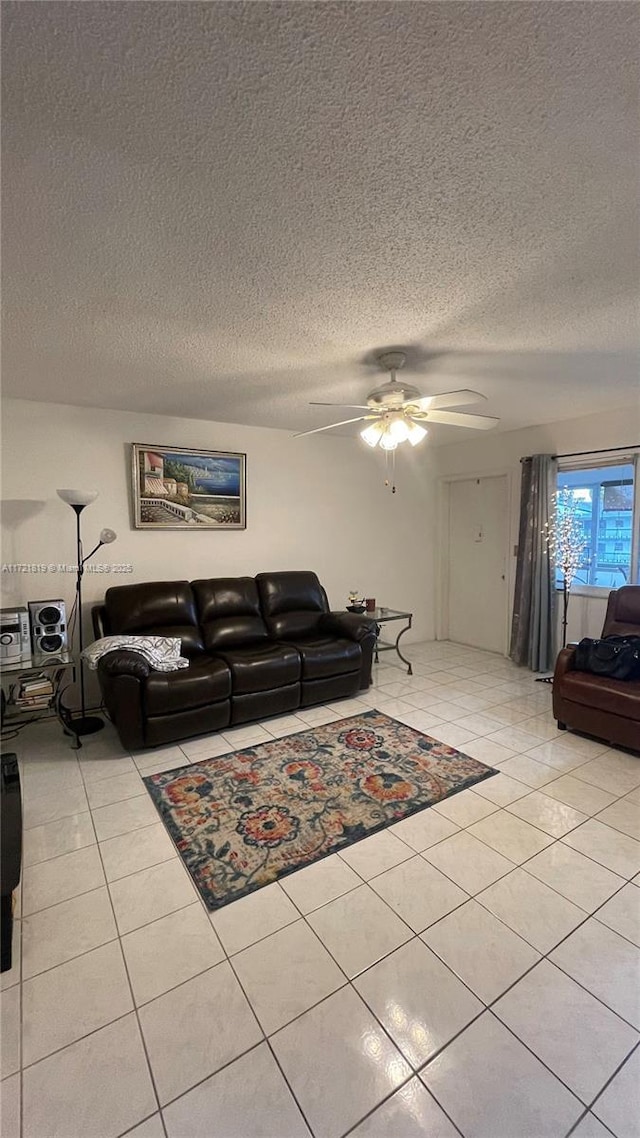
(583, 453)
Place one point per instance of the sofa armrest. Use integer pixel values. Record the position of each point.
(350, 625)
(124, 662)
(565, 662)
(122, 675)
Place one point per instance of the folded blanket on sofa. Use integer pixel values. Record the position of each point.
(161, 652)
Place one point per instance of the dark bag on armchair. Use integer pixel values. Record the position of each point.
(616, 656)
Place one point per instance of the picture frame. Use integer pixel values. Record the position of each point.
(188, 488)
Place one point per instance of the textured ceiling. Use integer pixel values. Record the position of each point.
(220, 209)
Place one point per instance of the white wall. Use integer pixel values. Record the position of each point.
(502, 453)
(316, 503)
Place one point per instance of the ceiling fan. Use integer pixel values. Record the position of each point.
(397, 411)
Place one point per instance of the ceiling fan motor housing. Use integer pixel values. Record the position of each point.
(392, 394)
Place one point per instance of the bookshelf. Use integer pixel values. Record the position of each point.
(34, 686)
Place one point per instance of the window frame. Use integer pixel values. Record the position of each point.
(630, 459)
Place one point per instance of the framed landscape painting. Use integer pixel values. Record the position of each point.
(180, 488)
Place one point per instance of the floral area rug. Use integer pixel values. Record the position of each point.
(244, 819)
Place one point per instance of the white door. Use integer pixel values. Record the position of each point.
(477, 585)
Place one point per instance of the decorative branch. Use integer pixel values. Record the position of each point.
(566, 542)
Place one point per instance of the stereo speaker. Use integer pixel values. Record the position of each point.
(48, 627)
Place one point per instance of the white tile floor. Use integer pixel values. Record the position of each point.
(473, 970)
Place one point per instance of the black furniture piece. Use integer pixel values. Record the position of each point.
(256, 646)
(10, 851)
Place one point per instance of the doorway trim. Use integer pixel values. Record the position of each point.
(442, 571)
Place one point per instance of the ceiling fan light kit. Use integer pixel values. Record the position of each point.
(397, 411)
(393, 429)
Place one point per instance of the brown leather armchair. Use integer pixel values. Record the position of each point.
(597, 705)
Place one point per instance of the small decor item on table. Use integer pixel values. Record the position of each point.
(356, 601)
(370, 604)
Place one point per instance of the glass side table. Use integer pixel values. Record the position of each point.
(57, 668)
(384, 616)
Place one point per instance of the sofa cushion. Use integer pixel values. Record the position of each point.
(260, 667)
(324, 656)
(205, 681)
(618, 697)
(292, 603)
(157, 608)
(229, 612)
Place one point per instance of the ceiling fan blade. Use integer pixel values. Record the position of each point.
(446, 399)
(356, 406)
(455, 419)
(331, 426)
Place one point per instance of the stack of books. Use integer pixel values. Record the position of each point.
(34, 692)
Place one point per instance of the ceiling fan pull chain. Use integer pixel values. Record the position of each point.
(387, 483)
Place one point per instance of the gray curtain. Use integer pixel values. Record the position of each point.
(533, 629)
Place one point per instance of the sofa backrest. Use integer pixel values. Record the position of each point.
(218, 613)
(229, 612)
(292, 603)
(623, 612)
(156, 608)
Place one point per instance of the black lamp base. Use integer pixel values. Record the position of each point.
(85, 725)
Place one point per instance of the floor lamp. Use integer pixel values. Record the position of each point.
(78, 499)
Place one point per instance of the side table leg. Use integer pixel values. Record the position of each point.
(65, 719)
(403, 658)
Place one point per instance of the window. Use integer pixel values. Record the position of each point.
(603, 500)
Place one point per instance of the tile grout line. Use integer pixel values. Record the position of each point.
(584, 1117)
(158, 1114)
(349, 983)
(545, 955)
(613, 1076)
(21, 996)
(488, 1007)
(72, 1043)
(126, 970)
(412, 853)
(266, 1040)
(395, 1091)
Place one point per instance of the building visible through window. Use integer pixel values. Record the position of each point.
(603, 499)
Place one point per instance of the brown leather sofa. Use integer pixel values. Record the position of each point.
(597, 705)
(256, 646)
